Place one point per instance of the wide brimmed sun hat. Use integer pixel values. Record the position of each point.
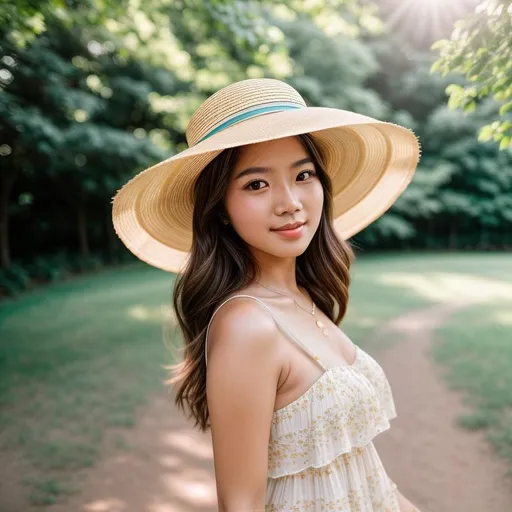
(370, 163)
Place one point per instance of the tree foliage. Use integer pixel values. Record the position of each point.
(89, 97)
(480, 48)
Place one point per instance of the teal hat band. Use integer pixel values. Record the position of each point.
(242, 116)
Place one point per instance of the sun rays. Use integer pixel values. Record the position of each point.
(426, 20)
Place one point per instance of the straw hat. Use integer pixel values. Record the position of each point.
(370, 163)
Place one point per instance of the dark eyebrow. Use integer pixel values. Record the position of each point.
(255, 170)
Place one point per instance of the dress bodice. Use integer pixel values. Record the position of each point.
(344, 409)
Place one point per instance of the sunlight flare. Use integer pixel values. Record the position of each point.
(428, 17)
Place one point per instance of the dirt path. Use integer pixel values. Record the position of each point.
(438, 466)
(168, 469)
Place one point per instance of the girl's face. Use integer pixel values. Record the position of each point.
(273, 184)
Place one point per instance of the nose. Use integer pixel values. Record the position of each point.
(287, 201)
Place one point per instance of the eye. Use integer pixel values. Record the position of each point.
(312, 173)
(250, 186)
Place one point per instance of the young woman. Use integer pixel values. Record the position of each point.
(254, 217)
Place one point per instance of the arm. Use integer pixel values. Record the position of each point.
(242, 377)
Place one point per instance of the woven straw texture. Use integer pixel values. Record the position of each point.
(370, 163)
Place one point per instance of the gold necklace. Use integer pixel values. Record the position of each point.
(318, 323)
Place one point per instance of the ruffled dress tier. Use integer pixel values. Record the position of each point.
(321, 454)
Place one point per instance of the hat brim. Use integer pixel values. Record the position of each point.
(370, 163)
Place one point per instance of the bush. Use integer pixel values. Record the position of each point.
(47, 268)
(14, 279)
(80, 264)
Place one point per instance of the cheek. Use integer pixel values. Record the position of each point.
(314, 201)
(319, 193)
(246, 212)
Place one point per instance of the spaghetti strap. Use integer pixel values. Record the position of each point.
(276, 320)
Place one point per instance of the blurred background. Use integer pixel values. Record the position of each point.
(94, 91)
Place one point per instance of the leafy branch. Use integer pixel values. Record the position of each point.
(480, 48)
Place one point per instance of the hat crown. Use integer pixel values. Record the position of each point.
(238, 101)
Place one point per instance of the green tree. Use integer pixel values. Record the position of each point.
(480, 48)
(458, 196)
(321, 64)
(70, 110)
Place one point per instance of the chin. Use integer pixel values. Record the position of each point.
(291, 250)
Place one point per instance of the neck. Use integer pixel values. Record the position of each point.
(279, 274)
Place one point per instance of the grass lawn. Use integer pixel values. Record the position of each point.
(475, 346)
(385, 286)
(78, 358)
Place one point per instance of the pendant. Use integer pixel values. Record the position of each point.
(320, 325)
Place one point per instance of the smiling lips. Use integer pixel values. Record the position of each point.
(289, 226)
(290, 230)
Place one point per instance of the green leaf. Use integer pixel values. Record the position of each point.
(470, 107)
(486, 133)
(505, 108)
(436, 66)
(439, 44)
(454, 101)
(505, 143)
(455, 89)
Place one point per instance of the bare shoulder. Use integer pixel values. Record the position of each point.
(241, 330)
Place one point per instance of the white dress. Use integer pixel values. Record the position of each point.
(320, 455)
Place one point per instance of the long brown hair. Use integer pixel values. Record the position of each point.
(221, 263)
